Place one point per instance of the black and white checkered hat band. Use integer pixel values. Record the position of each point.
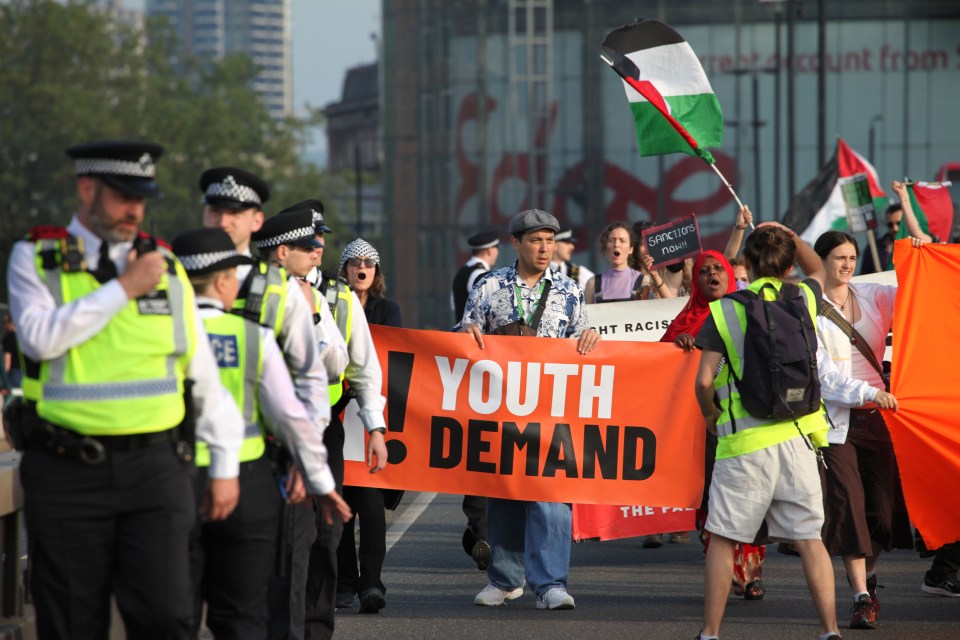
(303, 233)
(359, 248)
(143, 168)
(230, 189)
(199, 261)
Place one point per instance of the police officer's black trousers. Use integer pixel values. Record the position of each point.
(322, 577)
(285, 599)
(231, 560)
(367, 504)
(121, 526)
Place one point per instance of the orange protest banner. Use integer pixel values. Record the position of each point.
(531, 419)
(926, 349)
(608, 522)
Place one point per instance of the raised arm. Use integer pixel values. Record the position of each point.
(744, 220)
(913, 225)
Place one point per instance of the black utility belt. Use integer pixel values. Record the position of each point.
(92, 449)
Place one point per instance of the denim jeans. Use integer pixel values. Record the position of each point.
(529, 539)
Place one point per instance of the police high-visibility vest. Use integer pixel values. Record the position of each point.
(238, 347)
(263, 296)
(736, 428)
(340, 298)
(128, 378)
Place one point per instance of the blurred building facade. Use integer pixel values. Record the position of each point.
(261, 29)
(494, 106)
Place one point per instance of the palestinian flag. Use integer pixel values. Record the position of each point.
(932, 207)
(674, 107)
(820, 207)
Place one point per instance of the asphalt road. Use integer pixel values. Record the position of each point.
(621, 590)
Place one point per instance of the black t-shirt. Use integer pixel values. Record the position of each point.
(709, 337)
(10, 346)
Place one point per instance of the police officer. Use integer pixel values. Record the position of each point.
(233, 201)
(231, 560)
(365, 379)
(485, 248)
(110, 337)
(563, 247)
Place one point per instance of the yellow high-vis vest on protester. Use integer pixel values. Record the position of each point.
(238, 348)
(129, 377)
(265, 299)
(748, 436)
(338, 295)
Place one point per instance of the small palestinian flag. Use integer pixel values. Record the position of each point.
(674, 107)
(933, 209)
(820, 207)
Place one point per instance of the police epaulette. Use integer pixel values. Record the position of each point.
(47, 232)
(159, 241)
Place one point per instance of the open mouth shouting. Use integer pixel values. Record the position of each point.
(361, 275)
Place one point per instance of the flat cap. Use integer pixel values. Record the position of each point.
(532, 220)
(293, 227)
(565, 235)
(484, 240)
(207, 250)
(125, 165)
(233, 188)
(316, 209)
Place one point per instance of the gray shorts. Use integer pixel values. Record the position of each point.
(780, 484)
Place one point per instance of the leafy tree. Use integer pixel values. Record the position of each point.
(69, 74)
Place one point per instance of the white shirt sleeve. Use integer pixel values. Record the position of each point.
(219, 421)
(835, 387)
(364, 373)
(333, 349)
(44, 330)
(299, 346)
(286, 416)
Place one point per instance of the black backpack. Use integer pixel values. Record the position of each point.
(779, 355)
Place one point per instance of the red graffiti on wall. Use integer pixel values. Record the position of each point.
(626, 189)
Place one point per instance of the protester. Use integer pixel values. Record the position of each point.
(563, 247)
(863, 500)
(672, 281)
(618, 282)
(530, 541)
(744, 220)
(914, 230)
(485, 247)
(893, 216)
(231, 561)
(360, 265)
(776, 455)
(714, 279)
(105, 424)
(739, 271)
(941, 579)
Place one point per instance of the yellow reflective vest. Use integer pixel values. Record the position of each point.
(263, 296)
(238, 348)
(731, 322)
(129, 377)
(338, 295)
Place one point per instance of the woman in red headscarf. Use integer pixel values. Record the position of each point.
(713, 279)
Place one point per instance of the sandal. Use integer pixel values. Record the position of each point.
(754, 590)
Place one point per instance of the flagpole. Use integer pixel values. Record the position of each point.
(729, 187)
(872, 241)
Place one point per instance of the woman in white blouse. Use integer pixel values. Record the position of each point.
(863, 500)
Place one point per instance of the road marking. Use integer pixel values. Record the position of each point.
(407, 518)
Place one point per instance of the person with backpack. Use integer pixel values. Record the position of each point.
(764, 406)
(863, 500)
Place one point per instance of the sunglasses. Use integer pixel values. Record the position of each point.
(369, 263)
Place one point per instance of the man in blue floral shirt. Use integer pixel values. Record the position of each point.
(499, 298)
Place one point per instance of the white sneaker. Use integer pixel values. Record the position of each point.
(494, 596)
(555, 597)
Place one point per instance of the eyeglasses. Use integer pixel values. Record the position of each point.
(369, 263)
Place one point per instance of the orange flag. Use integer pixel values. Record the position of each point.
(926, 350)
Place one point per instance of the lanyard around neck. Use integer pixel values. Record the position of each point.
(533, 307)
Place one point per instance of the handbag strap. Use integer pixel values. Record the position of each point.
(827, 310)
(541, 303)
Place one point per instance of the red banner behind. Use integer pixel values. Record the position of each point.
(531, 419)
(608, 522)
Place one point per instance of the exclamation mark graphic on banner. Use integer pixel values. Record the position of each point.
(399, 372)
